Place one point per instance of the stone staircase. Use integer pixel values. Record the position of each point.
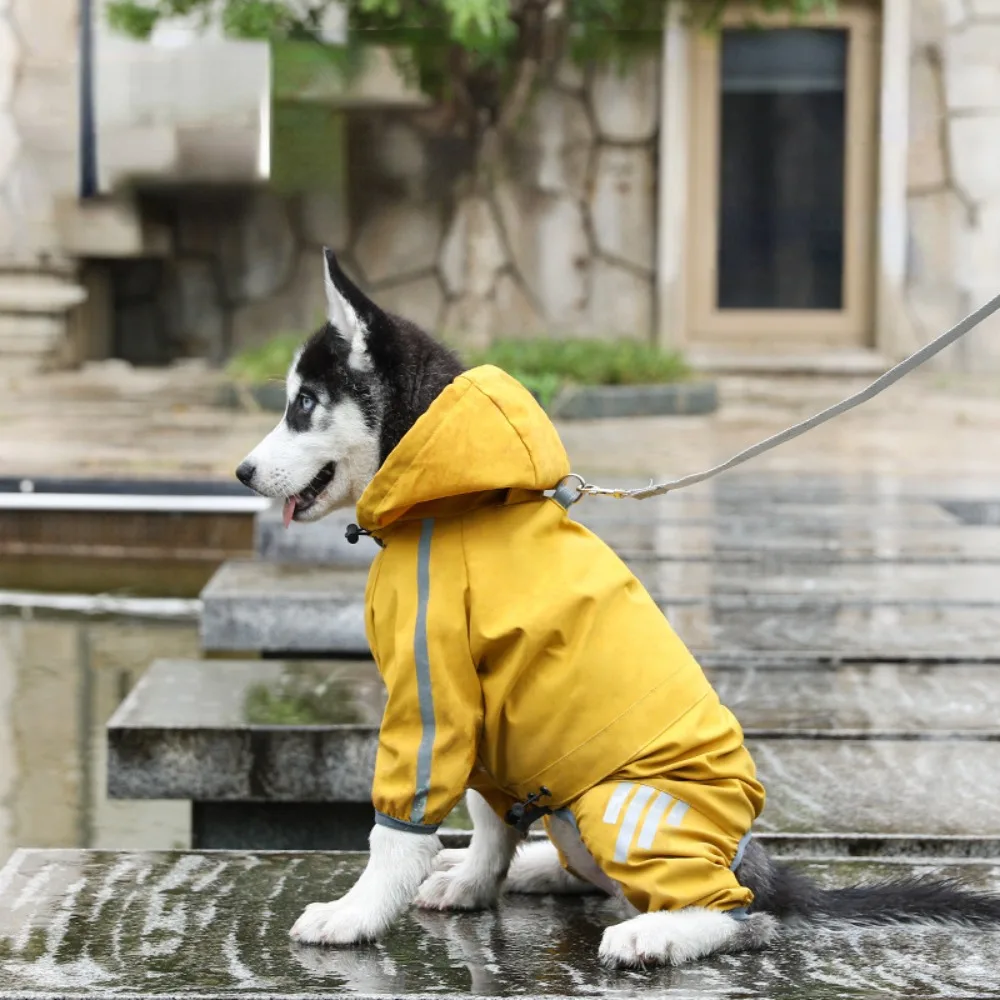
(853, 626)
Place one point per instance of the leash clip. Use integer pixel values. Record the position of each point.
(522, 814)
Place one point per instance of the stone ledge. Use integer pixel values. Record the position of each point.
(300, 732)
(322, 542)
(596, 402)
(168, 925)
(260, 606)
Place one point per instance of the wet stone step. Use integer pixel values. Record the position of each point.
(764, 541)
(689, 526)
(256, 606)
(878, 749)
(107, 925)
(854, 583)
(253, 605)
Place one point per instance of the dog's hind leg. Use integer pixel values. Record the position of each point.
(680, 936)
(537, 871)
(474, 882)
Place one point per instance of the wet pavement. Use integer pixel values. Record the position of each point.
(210, 925)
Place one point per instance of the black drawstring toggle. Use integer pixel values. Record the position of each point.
(522, 814)
(354, 532)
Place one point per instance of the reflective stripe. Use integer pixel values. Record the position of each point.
(648, 832)
(421, 658)
(740, 848)
(617, 800)
(677, 814)
(631, 821)
(400, 824)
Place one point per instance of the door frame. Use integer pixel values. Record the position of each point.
(886, 164)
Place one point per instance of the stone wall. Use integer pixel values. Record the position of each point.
(953, 261)
(563, 242)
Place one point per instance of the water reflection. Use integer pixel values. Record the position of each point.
(61, 678)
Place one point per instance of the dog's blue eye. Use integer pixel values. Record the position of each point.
(306, 402)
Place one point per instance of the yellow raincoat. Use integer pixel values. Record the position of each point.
(518, 650)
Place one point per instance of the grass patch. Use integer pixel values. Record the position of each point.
(541, 365)
(544, 366)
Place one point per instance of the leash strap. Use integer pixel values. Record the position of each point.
(880, 384)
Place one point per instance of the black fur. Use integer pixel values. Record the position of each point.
(781, 891)
(411, 367)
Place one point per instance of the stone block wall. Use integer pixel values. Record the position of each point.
(953, 261)
(563, 240)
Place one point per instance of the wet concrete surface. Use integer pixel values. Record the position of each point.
(77, 924)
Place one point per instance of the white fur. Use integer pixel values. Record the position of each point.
(286, 461)
(537, 871)
(473, 883)
(675, 938)
(667, 938)
(346, 321)
(398, 863)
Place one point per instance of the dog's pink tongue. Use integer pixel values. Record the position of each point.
(289, 511)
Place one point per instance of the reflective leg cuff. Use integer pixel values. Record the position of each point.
(401, 824)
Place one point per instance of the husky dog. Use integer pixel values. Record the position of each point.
(355, 390)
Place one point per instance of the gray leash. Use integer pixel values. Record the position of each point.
(880, 384)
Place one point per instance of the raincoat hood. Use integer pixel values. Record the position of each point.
(483, 434)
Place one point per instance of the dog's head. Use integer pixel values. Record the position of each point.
(326, 448)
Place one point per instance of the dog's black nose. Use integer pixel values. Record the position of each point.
(246, 472)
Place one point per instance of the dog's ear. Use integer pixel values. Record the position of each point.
(351, 313)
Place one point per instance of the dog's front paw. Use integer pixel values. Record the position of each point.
(340, 922)
(458, 889)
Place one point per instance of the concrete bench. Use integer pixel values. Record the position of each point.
(107, 925)
(281, 754)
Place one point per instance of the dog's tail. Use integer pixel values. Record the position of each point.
(785, 893)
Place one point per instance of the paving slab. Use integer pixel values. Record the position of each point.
(77, 924)
(875, 749)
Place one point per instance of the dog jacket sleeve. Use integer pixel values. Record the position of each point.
(418, 633)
